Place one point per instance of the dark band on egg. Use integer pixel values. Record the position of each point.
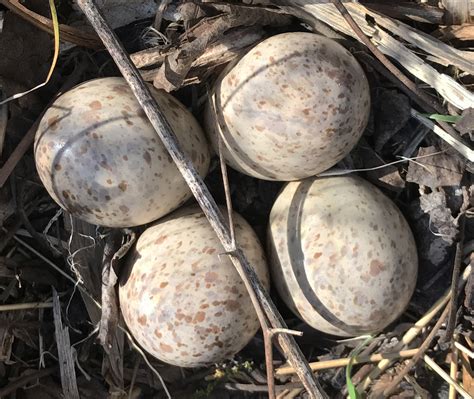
(296, 255)
(231, 142)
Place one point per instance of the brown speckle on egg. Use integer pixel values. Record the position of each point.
(208, 323)
(292, 107)
(328, 246)
(96, 133)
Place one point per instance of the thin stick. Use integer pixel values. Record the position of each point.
(200, 191)
(142, 354)
(421, 351)
(60, 271)
(342, 362)
(228, 199)
(445, 376)
(267, 337)
(453, 372)
(267, 342)
(134, 376)
(464, 350)
(413, 332)
(23, 306)
(18, 153)
(451, 324)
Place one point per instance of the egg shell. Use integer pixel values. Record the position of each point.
(292, 107)
(101, 160)
(184, 301)
(342, 256)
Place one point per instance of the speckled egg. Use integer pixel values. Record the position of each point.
(343, 257)
(101, 160)
(182, 300)
(292, 107)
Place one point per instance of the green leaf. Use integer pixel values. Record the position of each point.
(351, 389)
(443, 118)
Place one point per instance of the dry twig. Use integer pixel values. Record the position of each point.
(453, 370)
(421, 351)
(413, 332)
(199, 189)
(343, 362)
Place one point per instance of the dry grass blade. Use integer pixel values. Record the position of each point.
(445, 376)
(455, 142)
(421, 351)
(65, 353)
(419, 12)
(342, 362)
(382, 44)
(23, 306)
(68, 33)
(413, 332)
(200, 192)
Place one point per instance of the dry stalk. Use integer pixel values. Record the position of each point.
(200, 191)
(342, 362)
(413, 332)
(453, 369)
(421, 351)
(445, 376)
(464, 350)
(454, 142)
(451, 324)
(23, 306)
(260, 314)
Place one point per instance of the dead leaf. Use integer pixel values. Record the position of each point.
(442, 223)
(440, 169)
(466, 123)
(176, 65)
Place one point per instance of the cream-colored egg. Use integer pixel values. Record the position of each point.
(342, 256)
(292, 107)
(184, 301)
(101, 160)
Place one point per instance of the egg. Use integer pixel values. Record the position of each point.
(342, 256)
(292, 107)
(181, 296)
(101, 160)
